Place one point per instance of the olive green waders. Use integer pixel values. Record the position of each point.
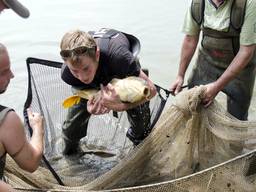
(239, 90)
(218, 49)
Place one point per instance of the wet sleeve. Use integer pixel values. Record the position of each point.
(248, 31)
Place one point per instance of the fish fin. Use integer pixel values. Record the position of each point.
(70, 101)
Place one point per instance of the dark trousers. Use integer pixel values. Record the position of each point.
(75, 126)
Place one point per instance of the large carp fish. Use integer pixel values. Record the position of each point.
(131, 89)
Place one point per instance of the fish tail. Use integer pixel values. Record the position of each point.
(70, 101)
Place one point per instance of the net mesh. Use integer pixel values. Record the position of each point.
(190, 149)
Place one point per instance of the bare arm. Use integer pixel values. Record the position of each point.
(5, 187)
(187, 51)
(240, 61)
(27, 154)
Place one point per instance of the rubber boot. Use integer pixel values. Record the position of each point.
(71, 148)
(139, 118)
(132, 137)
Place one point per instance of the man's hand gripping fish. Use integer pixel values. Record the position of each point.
(131, 89)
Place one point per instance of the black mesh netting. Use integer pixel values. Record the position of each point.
(106, 134)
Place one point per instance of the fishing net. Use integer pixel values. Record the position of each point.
(191, 148)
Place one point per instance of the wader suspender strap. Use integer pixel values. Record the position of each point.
(197, 11)
(236, 20)
(104, 35)
(237, 14)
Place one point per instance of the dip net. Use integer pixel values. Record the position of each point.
(191, 148)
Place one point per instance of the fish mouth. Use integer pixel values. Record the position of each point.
(146, 92)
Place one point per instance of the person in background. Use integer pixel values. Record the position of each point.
(226, 58)
(16, 6)
(94, 60)
(27, 154)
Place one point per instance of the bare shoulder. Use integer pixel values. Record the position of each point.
(12, 121)
(11, 130)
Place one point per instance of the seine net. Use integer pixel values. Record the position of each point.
(191, 148)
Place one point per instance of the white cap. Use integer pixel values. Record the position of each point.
(17, 7)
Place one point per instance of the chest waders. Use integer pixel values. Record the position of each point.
(217, 51)
(3, 112)
(76, 123)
